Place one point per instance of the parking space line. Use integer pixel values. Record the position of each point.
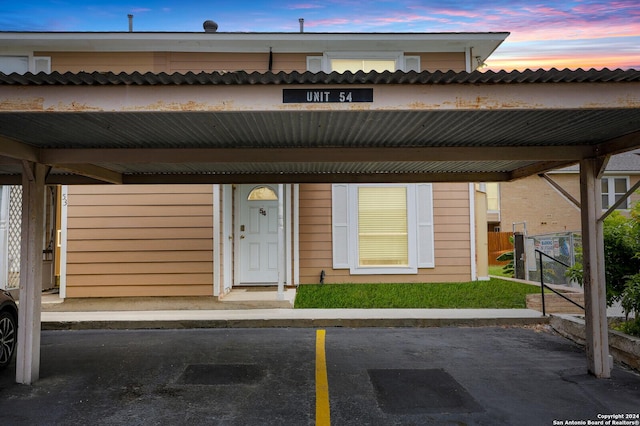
(323, 416)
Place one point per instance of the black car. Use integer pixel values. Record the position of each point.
(8, 328)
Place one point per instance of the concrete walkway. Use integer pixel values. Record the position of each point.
(254, 308)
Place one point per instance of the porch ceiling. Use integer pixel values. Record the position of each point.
(220, 128)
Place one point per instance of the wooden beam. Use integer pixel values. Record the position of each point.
(619, 145)
(28, 353)
(537, 168)
(560, 189)
(93, 172)
(185, 178)
(597, 337)
(15, 149)
(316, 155)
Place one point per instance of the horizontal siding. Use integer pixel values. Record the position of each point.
(441, 61)
(171, 62)
(451, 235)
(101, 61)
(140, 241)
(141, 256)
(183, 62)
(134, 291)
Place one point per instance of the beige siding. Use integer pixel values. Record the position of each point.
(249, 62)
(116, 62)
(170, 62)
(442, 61)
(140, 241)
(183, 62)
(451, 227)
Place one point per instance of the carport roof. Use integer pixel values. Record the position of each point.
(237, 127)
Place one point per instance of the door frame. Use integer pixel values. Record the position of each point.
(285, 237)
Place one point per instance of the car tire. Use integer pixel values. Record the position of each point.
(8, 338)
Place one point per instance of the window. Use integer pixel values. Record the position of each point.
(366, 65)
(262, 193)
(11, 64)
(382, 229)
(382, 226)
(363, 61)
(23, 64)
(613, 189)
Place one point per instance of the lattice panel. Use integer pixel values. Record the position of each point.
(14, 230)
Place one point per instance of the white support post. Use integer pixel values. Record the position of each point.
(597, 338)
(216, 240)
(28, 355)
(281, 244)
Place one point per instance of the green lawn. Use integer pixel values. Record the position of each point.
(497, 271)
(495, 293)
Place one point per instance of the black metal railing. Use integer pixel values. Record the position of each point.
(543, 285)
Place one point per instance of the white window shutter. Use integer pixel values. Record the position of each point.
(424, 201)
(41, 64)
(314, 63)
(412, 63)
(340, 225)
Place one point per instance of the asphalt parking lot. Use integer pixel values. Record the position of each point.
(267, 376)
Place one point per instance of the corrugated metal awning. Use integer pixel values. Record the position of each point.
(235, 127)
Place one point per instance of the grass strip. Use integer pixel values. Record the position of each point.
(495, 294)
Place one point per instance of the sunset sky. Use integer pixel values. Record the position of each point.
(544, 34)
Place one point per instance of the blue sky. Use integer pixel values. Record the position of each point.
(544, 34)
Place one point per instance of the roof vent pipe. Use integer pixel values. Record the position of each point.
(130, 16)
(209, 26)
(301, 20)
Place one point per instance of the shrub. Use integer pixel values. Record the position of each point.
(621, 248)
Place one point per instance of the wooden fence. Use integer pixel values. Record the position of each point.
(499, 243)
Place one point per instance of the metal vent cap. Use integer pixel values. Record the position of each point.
(210, 26)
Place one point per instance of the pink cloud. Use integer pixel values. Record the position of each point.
(561, 62)
(304, 6)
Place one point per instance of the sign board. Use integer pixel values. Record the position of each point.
(324, 96)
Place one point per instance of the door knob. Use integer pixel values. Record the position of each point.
(242, 237)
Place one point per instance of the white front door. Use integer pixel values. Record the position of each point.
(257, 234)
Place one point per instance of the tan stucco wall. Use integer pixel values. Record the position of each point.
(451, 235)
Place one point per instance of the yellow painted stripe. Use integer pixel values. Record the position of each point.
(323, 416)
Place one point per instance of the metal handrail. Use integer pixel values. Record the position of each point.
(543, 285)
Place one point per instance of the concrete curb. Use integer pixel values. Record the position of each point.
(623, 348)
(291, 323)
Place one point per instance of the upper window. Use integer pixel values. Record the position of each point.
(613, 189)
(382, 229)
(23, 64)
(366, 65)
(363, 61)
(11, 64)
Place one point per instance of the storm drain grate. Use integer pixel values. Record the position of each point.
(420, 392)
(221, 374)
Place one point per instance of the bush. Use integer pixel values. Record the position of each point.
(630, 301)
(621, 248)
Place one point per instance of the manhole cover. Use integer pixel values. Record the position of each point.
(221, 374)
(420, 391)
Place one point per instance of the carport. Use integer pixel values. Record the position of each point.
(297, 128)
